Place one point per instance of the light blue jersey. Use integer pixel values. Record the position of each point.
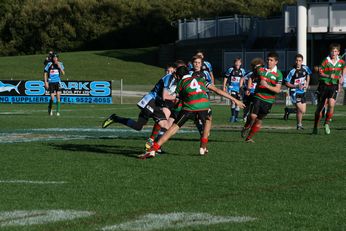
(298, 78)
(233, 78)
(54, 72)
(167, 82)
(248, 76)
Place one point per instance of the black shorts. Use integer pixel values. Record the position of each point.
(151, 110)
(327, 92)
(53, 87)
(184, 116)
(235, 95)
(248, 99)
(260, 108)
(298, 98)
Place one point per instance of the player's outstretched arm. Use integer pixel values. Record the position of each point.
(275, 89)
(225, 94)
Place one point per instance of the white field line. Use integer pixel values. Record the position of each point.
(35, 217)
(152, 222)
(30, 182)
(52, 134)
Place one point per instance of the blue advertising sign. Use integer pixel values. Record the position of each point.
(77, 92)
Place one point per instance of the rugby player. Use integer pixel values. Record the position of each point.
(234, 78)
(297, 81)
(268, 85)
(52, 78)
(195, 105)
(332, 72)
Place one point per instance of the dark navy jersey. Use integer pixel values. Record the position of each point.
(234, 76)
(250, 75)
(298, 77)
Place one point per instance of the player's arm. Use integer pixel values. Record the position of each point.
(212, 78)
(307, 83)
(225, 94)
(289, 85)
(342, 79)
(248, 87)
(322, 69)
(166, 95)
(225, 83)
(276, 88)
(61, 67)
(288, 79)
(45, 77)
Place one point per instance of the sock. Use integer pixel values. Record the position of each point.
(50, 105)
(161, 132)
(328, 117)
(236, 112)
(155, 146)
(318, 116)
(232, 111)
(58, 106)
(254, 129)
(204, 142)
(130, 123)
(291, 110)
(155, 131)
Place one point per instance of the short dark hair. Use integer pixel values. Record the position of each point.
(299, 56)
(237, 59)
(181, 71)
(256, 62)
(334, 46)
(274, 55)
(197, 57)
(179, 63)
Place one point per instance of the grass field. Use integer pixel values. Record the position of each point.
(65, 173)
(134, 66)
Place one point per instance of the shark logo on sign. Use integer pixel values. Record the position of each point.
(8, 87)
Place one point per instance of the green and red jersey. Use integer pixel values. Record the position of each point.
(329, 67)
(193, 93)
(272, 77)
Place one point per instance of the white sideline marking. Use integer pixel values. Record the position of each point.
(102, 130)
(35, 217)
(51, 134)
(31, 182)
(151, 222)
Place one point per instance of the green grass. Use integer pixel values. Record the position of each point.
(287, 180)
(134, 66)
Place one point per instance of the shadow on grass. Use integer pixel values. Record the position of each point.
(100, 149)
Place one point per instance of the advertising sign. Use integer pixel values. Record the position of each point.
(33, 91)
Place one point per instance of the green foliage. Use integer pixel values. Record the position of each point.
(30, 26)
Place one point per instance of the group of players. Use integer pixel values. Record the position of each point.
(182, 94)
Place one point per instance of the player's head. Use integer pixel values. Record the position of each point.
(169, 69)
(272, 59)
(55, 57)
(256, 62)
(200, 53)
(299, 60)
(181, 71)
(179, 63)
(334, 50)
(237, 62)
(197, 62)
